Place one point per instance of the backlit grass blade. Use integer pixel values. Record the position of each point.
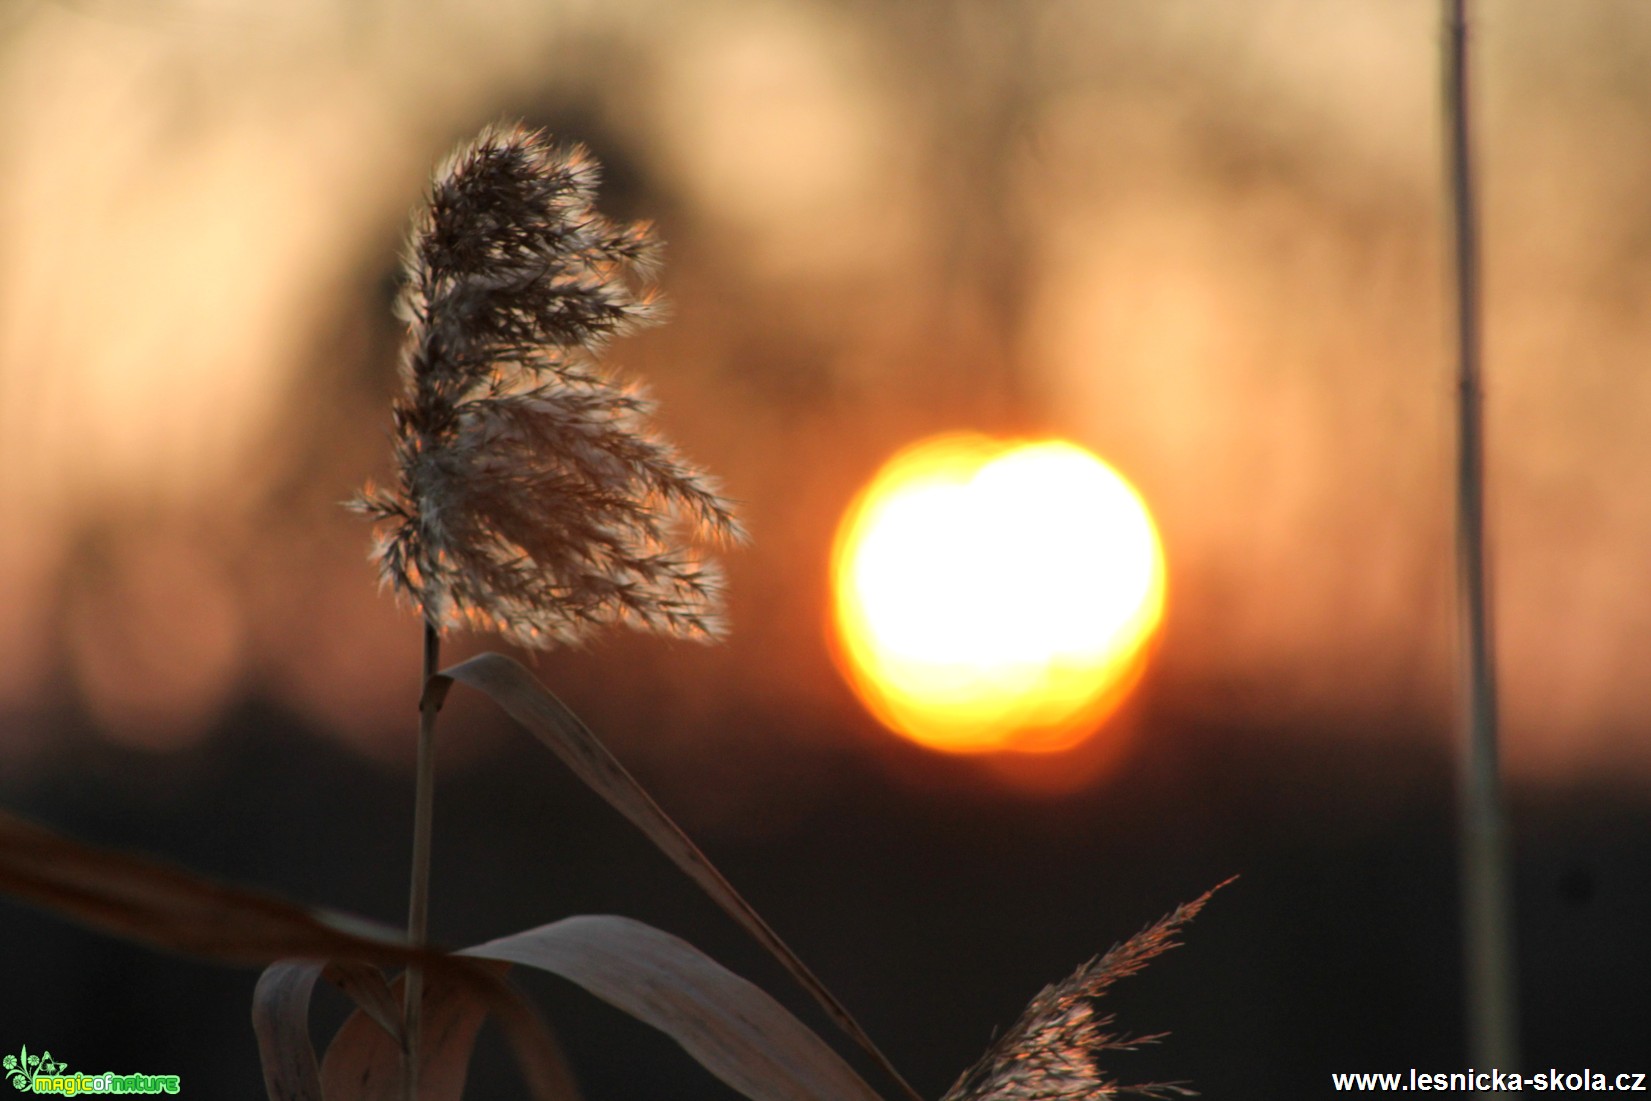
(730, 1026)
(519, 693)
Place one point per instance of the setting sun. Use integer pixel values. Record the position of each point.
(995, 594)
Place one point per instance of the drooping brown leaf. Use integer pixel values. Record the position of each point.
(519, 693)
(164, 907)
(730, 1026)
(158, 904)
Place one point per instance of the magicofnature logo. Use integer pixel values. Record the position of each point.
(22, 1067)
(43, 1074)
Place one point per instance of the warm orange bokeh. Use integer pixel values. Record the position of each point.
(993, 595)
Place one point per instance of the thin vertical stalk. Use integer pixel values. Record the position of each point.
(1486, 905)
(418, 901)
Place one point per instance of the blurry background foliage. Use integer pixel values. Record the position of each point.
(1201, 238)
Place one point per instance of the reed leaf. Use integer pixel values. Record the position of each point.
(155, 903)
(280, 1018)
(510, 685)
(364, 1060)
(730, 1026)
(165, 907)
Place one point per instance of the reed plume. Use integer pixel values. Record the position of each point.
(1050, 1052)
(532, 498)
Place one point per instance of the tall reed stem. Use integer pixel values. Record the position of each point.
(1486, 905)
(418, 899)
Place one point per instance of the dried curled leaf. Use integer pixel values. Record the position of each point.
(363, 1062)
(731, 1027)
(281, 1021)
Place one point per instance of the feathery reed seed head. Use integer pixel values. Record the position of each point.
(1050, 1052)
(532, 497)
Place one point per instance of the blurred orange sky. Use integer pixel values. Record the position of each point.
(1202, 239)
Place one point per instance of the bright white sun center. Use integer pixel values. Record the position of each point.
(991, 595)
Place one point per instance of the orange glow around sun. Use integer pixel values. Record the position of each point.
(995, 595)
